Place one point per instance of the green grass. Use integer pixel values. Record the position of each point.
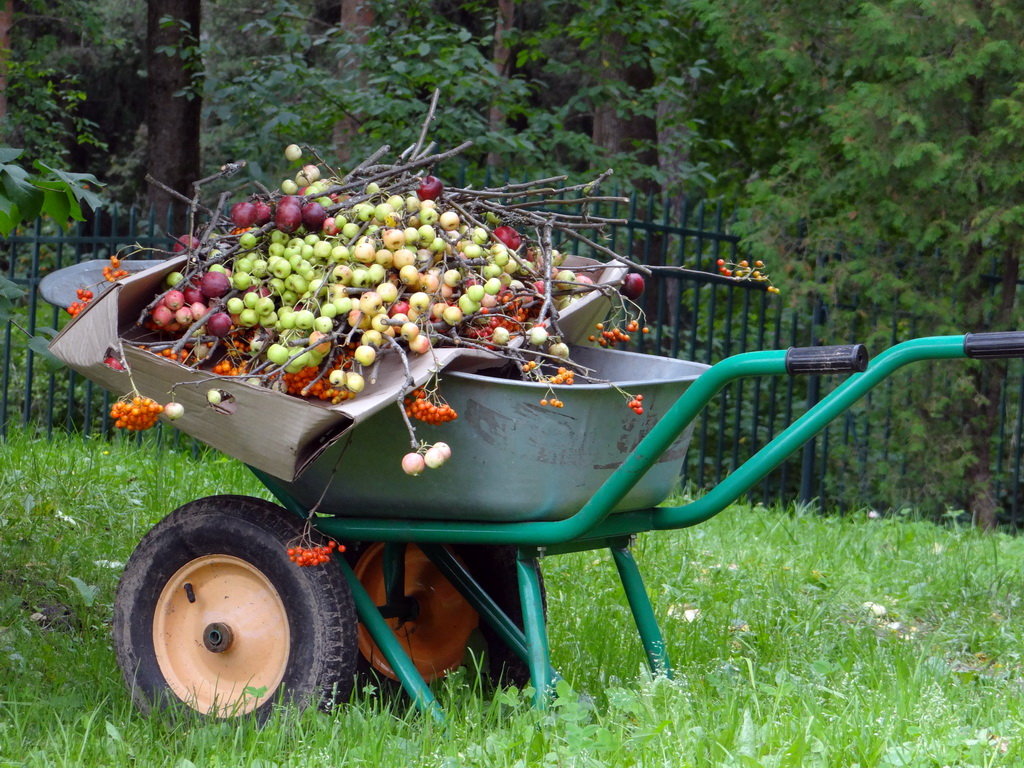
(779, 661)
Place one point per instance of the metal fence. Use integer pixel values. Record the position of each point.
(693, 314)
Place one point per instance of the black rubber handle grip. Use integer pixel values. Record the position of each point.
(843, 358)
(989, 346)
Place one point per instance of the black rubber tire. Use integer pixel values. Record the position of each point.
(494, 568)
(321, 658)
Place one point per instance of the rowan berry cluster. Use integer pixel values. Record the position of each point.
(170, 354)
(636, 405)
(611, 336)
(310, 556)
(418, 405)
(113, 273)
(744, 270)
(84, 297)
(227, 368)
(554, 402)
(563, 376)
(137, 414)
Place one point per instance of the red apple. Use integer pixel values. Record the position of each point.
(313, 216)
(288, 217)
(214, 285)
(185, 243)
(509, 237)
(218, 324)
(263, 213)
(430, 188)
(632, 286)
(243, 214)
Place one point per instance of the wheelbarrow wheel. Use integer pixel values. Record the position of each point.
(212, 613)
(441, 626)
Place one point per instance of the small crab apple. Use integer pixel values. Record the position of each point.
(174, 300)
(420, 345)
(292, 152)
(174, 410)
(434, 458)
(413, 464)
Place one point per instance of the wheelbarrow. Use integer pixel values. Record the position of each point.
(211, 611)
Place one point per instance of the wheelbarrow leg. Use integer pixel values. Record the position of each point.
(482, 602)
(412, 681)
(527, 568)
(643, 614)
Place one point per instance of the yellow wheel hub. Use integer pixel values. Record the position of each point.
(221, 635)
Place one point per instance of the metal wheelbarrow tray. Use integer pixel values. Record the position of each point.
(514, 459)
(213, 614)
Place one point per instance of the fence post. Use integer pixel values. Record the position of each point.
(813, 395)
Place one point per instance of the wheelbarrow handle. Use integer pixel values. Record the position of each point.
(843, 358)
(993, 345)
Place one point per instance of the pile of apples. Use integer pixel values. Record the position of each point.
(304, 289)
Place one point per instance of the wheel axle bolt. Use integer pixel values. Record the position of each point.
(217, 637)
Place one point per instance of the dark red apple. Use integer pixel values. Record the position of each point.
(288, 217)
(313, 216)
(214, 285)
(218, 324)
(192, 294)
(185, 243)
(430, 188)
(243, 214)
(632, 286)
(263, 213)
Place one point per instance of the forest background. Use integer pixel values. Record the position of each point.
(871, 151)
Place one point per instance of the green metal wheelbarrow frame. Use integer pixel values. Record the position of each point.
(594, 527)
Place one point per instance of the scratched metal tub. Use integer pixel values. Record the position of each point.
(513, 458)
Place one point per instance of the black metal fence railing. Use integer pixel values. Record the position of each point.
(693, 314)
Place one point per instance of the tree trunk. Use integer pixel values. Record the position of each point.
(501, 59)
(6, 21)
(626, 132)
(356, 19)
(173, 105)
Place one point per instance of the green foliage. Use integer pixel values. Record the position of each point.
(893, 189)
(285, 76)
(47, 192)
(45, 112)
